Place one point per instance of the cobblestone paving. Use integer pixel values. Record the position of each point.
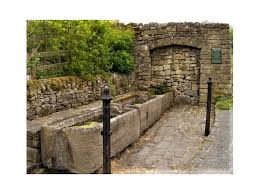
(175, 144)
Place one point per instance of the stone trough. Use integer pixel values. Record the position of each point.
(75, 144)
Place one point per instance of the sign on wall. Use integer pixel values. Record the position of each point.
(216, 56)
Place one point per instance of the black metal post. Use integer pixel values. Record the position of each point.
(106, 133)
(207, 126)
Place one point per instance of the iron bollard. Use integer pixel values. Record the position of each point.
(106, 133)
(207, 126)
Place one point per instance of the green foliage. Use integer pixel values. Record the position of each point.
(96, 46)
(224, 102)
(121, 44)
(49, 73)
(33, 62)
(111, 85)
(160, 89)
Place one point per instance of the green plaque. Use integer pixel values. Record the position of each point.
(216, 56)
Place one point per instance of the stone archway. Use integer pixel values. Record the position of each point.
(179, 67)
(197, 38)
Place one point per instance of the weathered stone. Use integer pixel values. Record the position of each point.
(50, 101)
(80, 149)
(179, 56)
(33, 154)
(150, 112)
(36, 103)
(53, 98)
(164, 42)
(181, 100)
(157, 68)
(33, 143)
(191, 93)
(191, 46)
(32, 166)
(194, 87)
(178, 72)
(30, 113)
(167, 101)
(144, 48)
(38, 110)
(167, 72)
(166, 67)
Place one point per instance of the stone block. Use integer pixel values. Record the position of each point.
(33, 134)
(150, 112)
(33, 143)
(203, 98)
(162, 73)
(144, 48)
(157, 68)
(64, 97)
(181, 100)
(53, 98)
(32, 167)
(179, 56)
(164, 42)
(193, 77)
(191, 93)
(79, 150)
(166, 67)
(195, 87)
(167, 101)
(178, 72)
(167, 72)
(190, 72)
(36, 103)
(33, 154)
(124, 131)
(38, 110)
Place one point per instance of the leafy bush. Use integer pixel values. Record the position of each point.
(97, 46)
(224, 102)
(160, 89)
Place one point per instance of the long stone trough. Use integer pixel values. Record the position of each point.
(75, 144)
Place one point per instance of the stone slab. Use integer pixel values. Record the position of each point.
(33, 155)
(150, 112)
(167, 101)
(79, 150)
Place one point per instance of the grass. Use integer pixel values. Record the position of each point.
(224, 102)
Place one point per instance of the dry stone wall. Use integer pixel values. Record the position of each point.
(51, 95)
(180, 55)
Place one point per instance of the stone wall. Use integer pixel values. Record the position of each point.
(46, 96)
(180, 55)
(178, 66)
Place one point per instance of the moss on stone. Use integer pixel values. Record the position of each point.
(55, 83)
(33, 85)
(88, 125)
(127, 97)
